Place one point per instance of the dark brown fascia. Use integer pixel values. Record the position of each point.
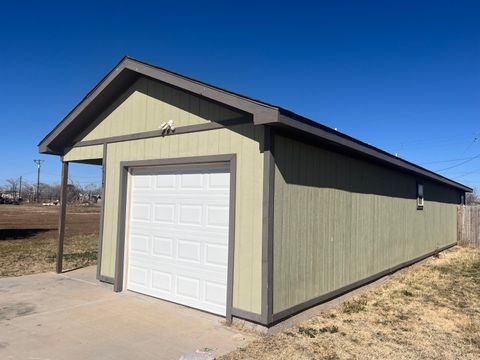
(45, 145)
(259, 110)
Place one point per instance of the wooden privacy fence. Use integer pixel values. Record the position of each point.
(468, 223)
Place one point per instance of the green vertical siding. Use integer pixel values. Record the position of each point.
(149, 103)
(339, 219)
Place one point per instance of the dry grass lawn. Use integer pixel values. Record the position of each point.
(31, 256)
(430, 311)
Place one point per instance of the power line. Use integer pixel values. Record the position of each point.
(444, 161)
(424, 140)
(426, 145)
(467, 173)
(475, 139)
(460, 164)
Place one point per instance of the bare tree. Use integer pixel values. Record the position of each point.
(12, 186)
(76, 192)
(472, 198)
(28, 191)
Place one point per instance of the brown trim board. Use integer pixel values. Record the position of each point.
(125, 166)
(248, 315)
(106, 279)
(62, 217)
(284, 314)
(102, 213)
(161, 133)
(231, 237)
(267, 225)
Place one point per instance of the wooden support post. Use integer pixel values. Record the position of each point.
(63, 213)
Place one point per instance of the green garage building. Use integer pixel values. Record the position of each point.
(233, 206)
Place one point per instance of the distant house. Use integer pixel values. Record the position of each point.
(241, 208)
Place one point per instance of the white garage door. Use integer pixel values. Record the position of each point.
(178, 235)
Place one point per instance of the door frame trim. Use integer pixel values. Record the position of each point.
(125, 166)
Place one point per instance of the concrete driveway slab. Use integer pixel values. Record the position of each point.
(72, 316)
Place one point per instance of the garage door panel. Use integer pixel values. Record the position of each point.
(192, 181)
(217, 216)
(164, 213)
(140, 243)
(178, 236)
(181, 288)
(188, 250)
(185, 269)
(163, 246)
(138, 275)
(141, 273)
(187, 286)
(142, 182)
(162, 281)
(216, 255)
(184, 198)
(214, 292)
(190, 214)
(218, 181)
(141, 212)
(210, 234)
(166, 182)
(211, 270)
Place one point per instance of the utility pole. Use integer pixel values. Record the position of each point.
(39, 165)
(20, 188)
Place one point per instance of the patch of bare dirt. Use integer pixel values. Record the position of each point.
(41, 222)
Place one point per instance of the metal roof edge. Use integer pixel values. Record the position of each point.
(306, 125)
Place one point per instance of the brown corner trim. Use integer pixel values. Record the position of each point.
(247, 315)
(125, 166)
(106, 279)
(62, 217)
(267, 225)
(231, 237)
(282, 315)
(161, 133)
(102, 214)
(122, 209)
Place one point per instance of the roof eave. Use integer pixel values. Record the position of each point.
(128, 69)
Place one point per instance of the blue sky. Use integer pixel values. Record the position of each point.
(403, 76)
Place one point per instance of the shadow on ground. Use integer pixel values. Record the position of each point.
(19, 234)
